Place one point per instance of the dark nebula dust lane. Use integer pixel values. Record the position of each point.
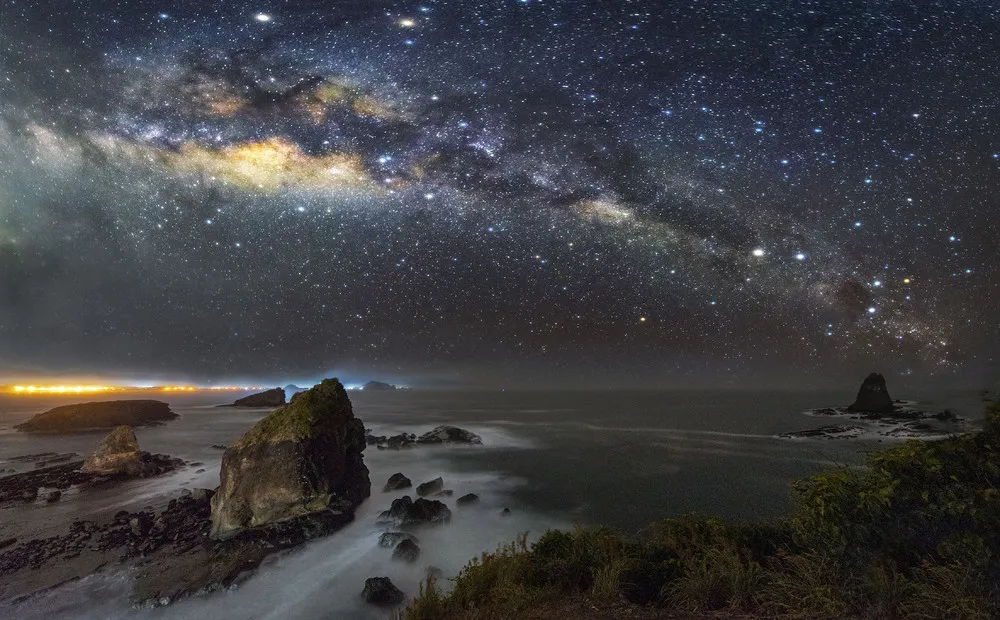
(492, 192)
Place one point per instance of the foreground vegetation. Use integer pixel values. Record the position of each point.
(915, 534)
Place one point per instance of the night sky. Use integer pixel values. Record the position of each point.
(487, 193)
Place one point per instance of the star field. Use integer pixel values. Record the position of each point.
(484, 192)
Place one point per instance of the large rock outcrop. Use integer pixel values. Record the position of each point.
(873, 397)
(105, 414)
(118, 454)
(269, 398)
(303, 458)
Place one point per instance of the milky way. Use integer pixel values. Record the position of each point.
(486, 192)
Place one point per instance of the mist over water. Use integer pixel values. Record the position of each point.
(617, 458)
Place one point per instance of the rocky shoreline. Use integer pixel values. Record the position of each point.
(295, 476)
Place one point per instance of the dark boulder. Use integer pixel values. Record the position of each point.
(381, 591)
(106, 414)
(430, 487)
(873, 397)
(269, 398)
(404, 511)
(397, 482)
(53, 496)
(467, 500)
(449, 434)
(505, 512)
(401, 440)
(406, 551)
(391, 539)
(303, 458)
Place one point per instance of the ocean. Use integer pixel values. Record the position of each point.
(556, 459)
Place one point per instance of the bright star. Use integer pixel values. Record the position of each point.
(759, 252)
(262, 17)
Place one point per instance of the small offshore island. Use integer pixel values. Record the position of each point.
(876, 415)
(99, 415)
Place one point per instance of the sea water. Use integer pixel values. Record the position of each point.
(555, 459)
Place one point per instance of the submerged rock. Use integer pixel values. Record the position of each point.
(826, 432)
(391, 539)
(381, 591)
(449, 434)
(303, 458)
(268, 398)
(396, 482)
(118, 454)
(105, 414)
(406, 551)
(873, 397)
(378, 386)
(430, 487)
(467, 500)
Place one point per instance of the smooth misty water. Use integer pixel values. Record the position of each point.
(617, 458)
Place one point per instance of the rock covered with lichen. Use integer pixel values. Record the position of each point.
(303, 458)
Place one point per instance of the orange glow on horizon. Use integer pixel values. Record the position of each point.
(96, 389)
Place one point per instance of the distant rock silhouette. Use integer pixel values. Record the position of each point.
(378, 386)
(303, 458)
(873, 397)
(449, 434)
(269, 398)
(104, 414)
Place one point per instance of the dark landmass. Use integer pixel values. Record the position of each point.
(378, 386)
(873, 396)
(913, 534)
(274, 397)
(876, 415)
(98, 415)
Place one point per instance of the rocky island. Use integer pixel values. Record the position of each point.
(875, 414)
(274, 397)
(99, 415)
(378, 386)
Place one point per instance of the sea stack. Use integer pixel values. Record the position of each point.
(269, 398)
(118, 454)
(302, 458)
(873, 397)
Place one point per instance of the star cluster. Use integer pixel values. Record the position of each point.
(485, 191)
